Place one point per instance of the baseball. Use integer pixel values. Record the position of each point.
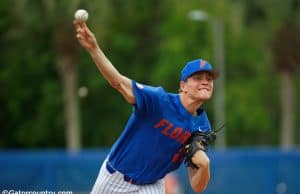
(81, 15)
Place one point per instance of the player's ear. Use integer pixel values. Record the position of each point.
(182, 87)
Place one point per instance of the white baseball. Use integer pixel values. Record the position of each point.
(81, 15)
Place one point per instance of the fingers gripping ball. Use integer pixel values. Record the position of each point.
(198, 141)
(81, 15)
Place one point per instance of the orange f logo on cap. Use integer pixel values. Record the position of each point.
(202, 63)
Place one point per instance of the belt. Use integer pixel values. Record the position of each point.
(112, 170)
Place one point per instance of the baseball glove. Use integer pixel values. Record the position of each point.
(199, 140)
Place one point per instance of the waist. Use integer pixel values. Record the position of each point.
(112, 170)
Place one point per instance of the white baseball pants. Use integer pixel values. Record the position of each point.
(114, 183)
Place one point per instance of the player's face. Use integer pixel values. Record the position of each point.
(199, 86)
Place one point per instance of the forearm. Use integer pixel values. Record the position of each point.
(200, 179)
(109, 72)
(88, 40)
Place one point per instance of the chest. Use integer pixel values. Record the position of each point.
(176, 127)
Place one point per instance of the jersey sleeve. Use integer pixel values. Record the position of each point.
(148, 98)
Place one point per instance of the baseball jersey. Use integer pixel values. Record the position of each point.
(151, 144)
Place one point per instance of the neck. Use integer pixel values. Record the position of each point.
(191, 105)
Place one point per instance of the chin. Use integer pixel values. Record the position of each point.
(204, 95)
(204, 98)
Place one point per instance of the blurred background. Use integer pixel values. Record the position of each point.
(59, 117)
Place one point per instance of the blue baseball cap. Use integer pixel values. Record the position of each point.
(195, 66)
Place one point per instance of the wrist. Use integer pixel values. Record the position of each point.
(201, 159)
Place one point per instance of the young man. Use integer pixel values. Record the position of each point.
(152, 142)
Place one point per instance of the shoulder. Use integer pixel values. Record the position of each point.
(143, 88)
(149, 99)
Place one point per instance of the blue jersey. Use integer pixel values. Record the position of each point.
(151, 144)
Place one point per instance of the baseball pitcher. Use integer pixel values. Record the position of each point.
(163, 131)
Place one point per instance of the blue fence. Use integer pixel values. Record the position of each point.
(234, 171)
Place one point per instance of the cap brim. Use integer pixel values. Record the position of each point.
(213, 73)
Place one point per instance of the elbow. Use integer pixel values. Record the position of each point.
(199, 189)
(115, 84)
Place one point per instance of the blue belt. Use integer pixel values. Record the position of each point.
(111, 170)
